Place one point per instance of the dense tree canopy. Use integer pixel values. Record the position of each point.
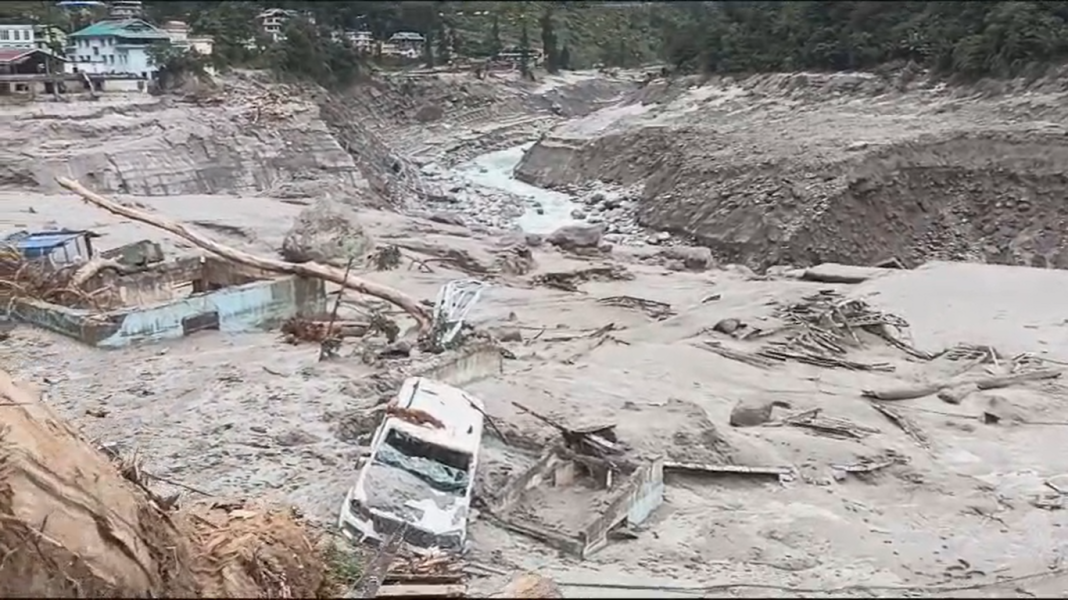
(969, 38)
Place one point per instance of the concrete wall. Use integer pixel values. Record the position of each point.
(540, 472)
(241, 308)
(642, 492)
(472, 364)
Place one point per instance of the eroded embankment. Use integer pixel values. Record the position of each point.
(243, 138)
(842, 180)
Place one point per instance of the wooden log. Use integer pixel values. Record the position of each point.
(70, 524)
(982, 383)
(309, 269)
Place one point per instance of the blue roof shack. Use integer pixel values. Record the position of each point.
(58, 247)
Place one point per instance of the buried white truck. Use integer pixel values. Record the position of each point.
(420, 475)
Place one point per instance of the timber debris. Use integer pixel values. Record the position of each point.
(308, 269)
(569, 281)
(652, 308)
(821, 326)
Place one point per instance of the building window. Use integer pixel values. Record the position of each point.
(4, 34)
(96, 51)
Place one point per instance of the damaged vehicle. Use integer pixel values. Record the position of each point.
(420, 475)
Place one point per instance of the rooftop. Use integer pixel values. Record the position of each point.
(406, 35)
(44, 240)
(136, 28)
(16, 55)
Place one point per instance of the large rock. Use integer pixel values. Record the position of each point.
(326, 232)
(695, 258)
(571, 237)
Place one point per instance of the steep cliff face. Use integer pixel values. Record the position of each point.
(801, 169)
(247, 139)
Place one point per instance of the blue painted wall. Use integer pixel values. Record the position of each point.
(240, 308)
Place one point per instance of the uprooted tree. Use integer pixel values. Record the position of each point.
(308, 269)
(73, 525)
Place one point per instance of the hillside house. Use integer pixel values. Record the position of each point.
(406, 43)
(179, 34)
(26, 71)
(273, 21)
(17, 36)
(115, 47)
(363, 41)
(50, 37)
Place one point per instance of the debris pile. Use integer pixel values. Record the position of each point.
(818, 330)
(569, 281)
(821, 325)
(75, 526)
(22, 278)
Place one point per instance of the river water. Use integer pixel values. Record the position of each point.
(495, 170)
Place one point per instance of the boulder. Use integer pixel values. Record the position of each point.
(326, 232)
(751, 413)
(571, 237)
(531, 585)
(694, 258)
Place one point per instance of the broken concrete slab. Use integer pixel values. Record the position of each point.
(629, 497)
(176, 299)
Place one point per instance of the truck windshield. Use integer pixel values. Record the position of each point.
(444, 469)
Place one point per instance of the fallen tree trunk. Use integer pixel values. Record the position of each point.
(93, 267)
(313, 270)
(72, 526)
(982, 383)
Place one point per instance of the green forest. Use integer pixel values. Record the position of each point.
(968, 39)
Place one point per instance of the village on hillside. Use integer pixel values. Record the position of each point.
(115, 53)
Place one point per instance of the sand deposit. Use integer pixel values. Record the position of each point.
(963, 504)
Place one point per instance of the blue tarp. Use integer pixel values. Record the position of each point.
(47, 241)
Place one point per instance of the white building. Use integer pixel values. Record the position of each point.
(115, 47)
(17, 36)
(273, 21)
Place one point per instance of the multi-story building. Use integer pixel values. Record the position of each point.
(125, 9)
(51, 38)
(408, 44)
(273, 22)
(364, 41)
(115, 47)
(17, 36)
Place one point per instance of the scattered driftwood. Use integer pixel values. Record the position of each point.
(375, 572)
(298, 330)
(310, 269)
(904, 423)
(21, 278)
(982, 383)
(599, 441)
(569, 281)
(707, 469)
(823, 361)
(870, 465)
(821, 327)
(656, 310)
(834, 427)
(742, 357)
(956, 394)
